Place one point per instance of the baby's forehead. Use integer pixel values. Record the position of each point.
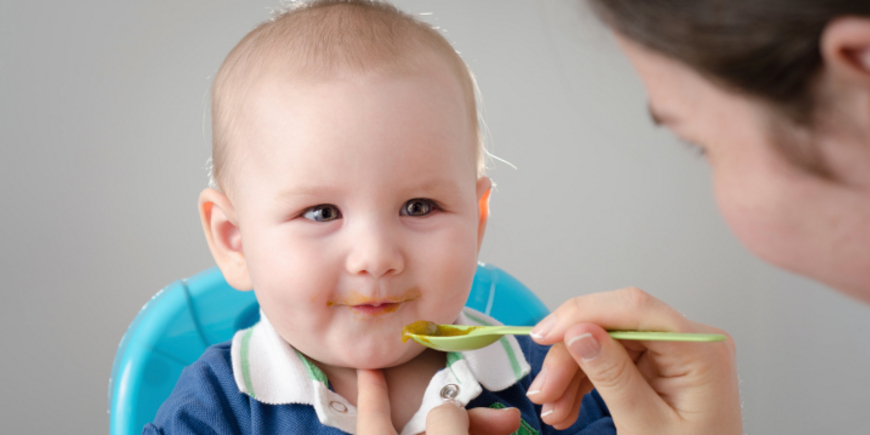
(293, 105)
(314, 45)
(308, 120)
(278, 84)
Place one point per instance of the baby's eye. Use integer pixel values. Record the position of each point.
(418, 207)
(322, 213)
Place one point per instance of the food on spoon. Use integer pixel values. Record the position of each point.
(425, 327)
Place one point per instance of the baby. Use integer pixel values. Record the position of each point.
(350, 195)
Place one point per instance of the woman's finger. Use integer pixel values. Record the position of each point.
(451, 419)
(489, 421)
(624, 309)
(447, 419)
(373, 404)
(629, 397)
(557, 371)
(562, 412)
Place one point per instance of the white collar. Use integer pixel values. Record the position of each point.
(271, 371)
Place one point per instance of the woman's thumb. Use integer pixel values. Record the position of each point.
(611, 370)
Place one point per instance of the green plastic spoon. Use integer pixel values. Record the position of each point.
(458, 338)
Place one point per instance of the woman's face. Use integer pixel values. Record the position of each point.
(785, 214)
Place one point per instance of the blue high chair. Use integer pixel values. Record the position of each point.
(176, 326)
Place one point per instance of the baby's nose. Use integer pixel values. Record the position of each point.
(375, 252)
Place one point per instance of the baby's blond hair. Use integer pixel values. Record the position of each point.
(322, 39)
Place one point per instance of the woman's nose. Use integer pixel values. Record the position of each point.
(375, 251)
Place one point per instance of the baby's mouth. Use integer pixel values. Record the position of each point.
(371, 306)
(375, 308)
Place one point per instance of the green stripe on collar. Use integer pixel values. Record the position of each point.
(512, 357)
(452, 357)
(314, 372)
(246, 365)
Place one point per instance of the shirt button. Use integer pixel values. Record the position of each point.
(450, 391)
(338, 406)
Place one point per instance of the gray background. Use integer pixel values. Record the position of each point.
(103, 143)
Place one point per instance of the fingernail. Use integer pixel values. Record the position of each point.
(546, 410)
(585, 346)
(543, 327)
(453, 402)
(538, 383)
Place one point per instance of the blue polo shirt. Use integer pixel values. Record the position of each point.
(258, 384)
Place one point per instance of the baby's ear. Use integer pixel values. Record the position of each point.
(484, 187)
(218, 217)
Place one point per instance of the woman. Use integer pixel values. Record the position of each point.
(777, 95)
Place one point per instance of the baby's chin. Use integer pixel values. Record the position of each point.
(373, 359)
(378, 362)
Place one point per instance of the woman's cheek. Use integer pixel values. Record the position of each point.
(755, 211)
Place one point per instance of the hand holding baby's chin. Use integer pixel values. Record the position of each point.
(373, 413)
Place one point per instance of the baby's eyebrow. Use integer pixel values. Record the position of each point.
(447, 188)
(303, 190)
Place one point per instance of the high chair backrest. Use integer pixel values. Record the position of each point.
(176, 326)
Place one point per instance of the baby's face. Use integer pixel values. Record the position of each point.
(357, 205)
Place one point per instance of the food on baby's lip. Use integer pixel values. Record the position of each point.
(425, 327)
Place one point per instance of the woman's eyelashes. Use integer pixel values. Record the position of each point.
(322, 213)
(418, 207)
(697, 149)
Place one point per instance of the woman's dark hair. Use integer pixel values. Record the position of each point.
(765, 48)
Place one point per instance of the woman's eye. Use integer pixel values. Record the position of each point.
(322, 213)
(418, 207)
(696, 148)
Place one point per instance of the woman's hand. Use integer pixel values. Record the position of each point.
(373, 413)
(452, 419)
(649, 386)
